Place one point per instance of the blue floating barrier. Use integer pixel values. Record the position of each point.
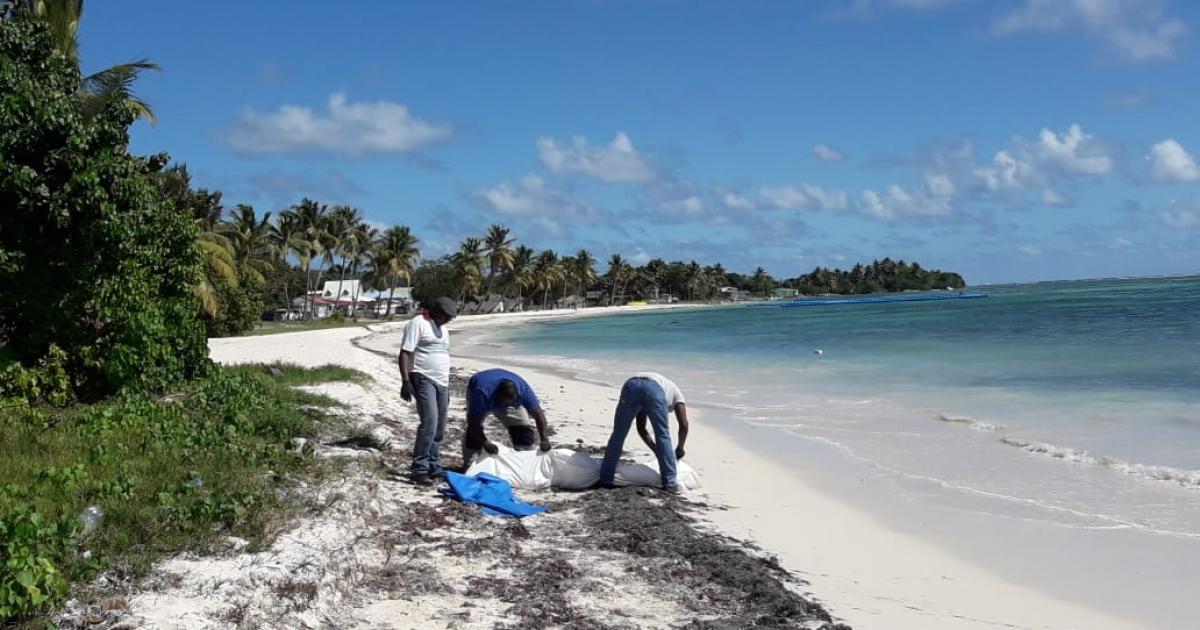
(878, 299)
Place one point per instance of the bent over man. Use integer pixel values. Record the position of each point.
(648, 396)
(511, 399)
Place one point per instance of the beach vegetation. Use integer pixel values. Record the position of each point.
(96, 262)
(115, 484)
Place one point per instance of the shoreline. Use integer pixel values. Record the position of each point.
(867, 573)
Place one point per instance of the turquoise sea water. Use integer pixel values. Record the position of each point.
(1073, 402)
(1049, 432)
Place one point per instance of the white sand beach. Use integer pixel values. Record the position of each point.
(863, 572)
(869, 575)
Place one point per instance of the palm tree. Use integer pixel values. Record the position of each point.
(567, 263)
(761, 281)
(585, 269)
(653, 273)
(250, 238)
(499, 251)
(343, 225)
(287, 237)
(216, 252)
(62, 19)
(365, 238)
(520, 274)
(468, 265)
(311, 223)
(694, 277)
(546, 273)
(394, 256)
(617, 271)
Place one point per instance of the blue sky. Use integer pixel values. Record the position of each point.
(1009, 140)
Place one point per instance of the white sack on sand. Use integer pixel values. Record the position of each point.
(646, 474)
(566, 469)
(534, 470)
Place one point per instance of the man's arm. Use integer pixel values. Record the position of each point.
(475, 434)
(539, 418)
(643, 431)
(681, 418)
(406, 364)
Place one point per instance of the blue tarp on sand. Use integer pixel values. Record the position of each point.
(490, 492)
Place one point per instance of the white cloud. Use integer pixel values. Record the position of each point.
(1037, 165)
(827, 153)
(1180, 218)
(1029, 250)
(897, 202)
(865, 8)
(616, 162)
(804, 196)
(690, 206)
(347, 128)
(939, 184)
(529, 197)
(1072, 151)
(734, 201)
(1139, 30)
(1170, 162)
(1126, 99)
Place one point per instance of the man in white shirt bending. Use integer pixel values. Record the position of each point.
(425, 369)
(648, 396)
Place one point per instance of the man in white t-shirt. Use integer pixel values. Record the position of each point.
(648, 396)
(425, 369)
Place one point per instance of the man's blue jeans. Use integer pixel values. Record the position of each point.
(640, 395)
(433, 402)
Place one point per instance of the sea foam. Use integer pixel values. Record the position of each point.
(978, 425)
(1188, 478)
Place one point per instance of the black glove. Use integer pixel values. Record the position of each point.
(406, 393)
(545, 446)
(679, 452)
(491, 447)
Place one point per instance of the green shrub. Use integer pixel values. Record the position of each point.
(92, 259)
(30, 550)
(48, 382)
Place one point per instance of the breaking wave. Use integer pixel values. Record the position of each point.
(978, 425)
(1188, 478)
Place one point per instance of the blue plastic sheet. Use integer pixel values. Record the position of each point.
(491, 493)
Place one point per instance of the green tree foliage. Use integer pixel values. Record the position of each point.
(884, 275)
(94, 261)
(61, 18)
(435, 279)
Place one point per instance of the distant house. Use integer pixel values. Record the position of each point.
(349, 289)
(784, 293)
(401, 301)
(733, 294)
(332, 297)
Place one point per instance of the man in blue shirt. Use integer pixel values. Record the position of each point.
(511, 399)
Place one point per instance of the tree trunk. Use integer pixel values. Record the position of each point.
(341, 278)
(391, 293)
(357, 289)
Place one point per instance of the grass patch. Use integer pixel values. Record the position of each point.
(292, 375)
(275, 328)
(167, 474)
